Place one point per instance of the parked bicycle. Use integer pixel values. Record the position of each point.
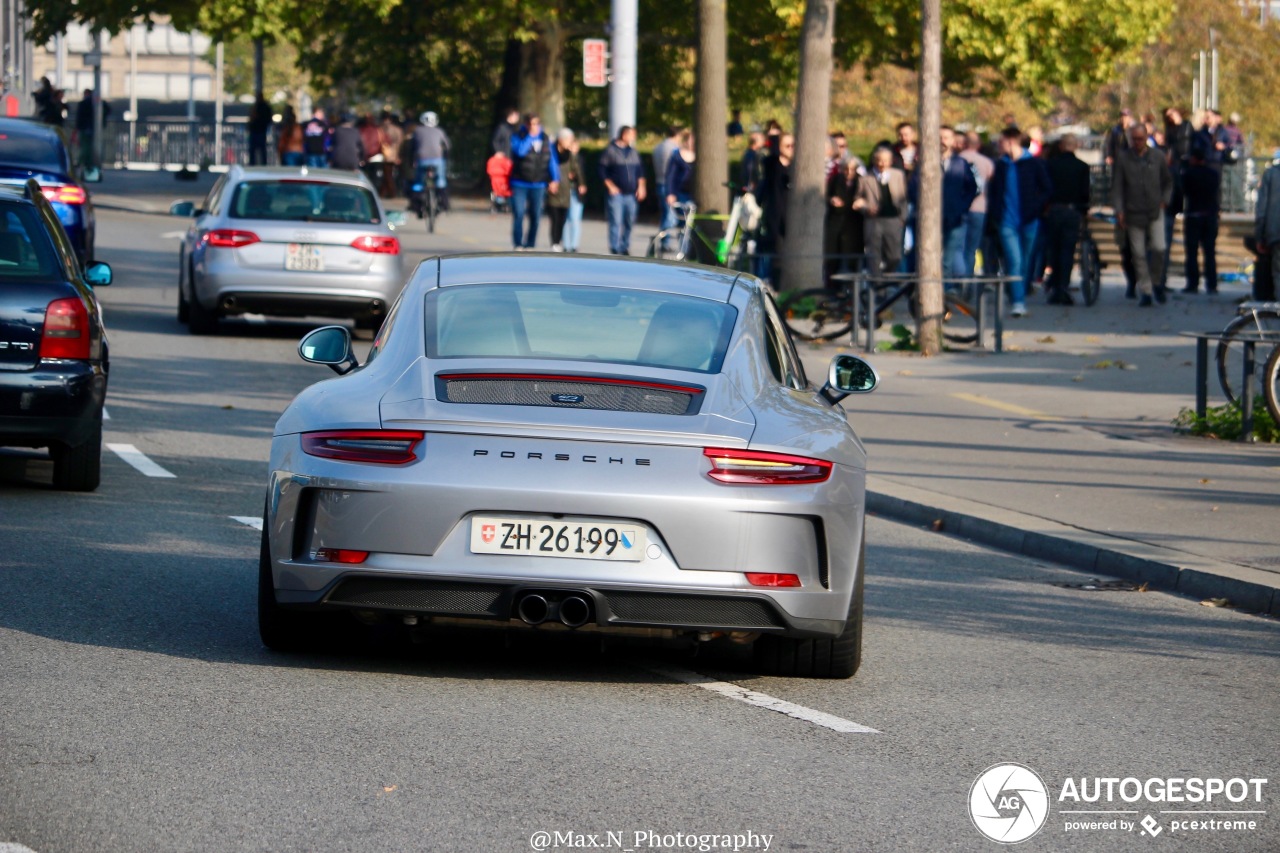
(823, 313)
(1261, 317)
(677, 243)
(1089, 263)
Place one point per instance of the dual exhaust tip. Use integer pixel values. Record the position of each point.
(573, 611)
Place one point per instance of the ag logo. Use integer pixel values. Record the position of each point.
(1008, 803)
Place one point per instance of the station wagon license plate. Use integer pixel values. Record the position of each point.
(304, 257)
(576, 538)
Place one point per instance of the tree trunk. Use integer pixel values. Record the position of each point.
(711, 112)
(542, 75)
(806, 206)
(929, 169)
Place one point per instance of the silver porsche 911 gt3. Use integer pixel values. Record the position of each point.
(573, 443)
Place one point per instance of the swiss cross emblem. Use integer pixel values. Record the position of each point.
(487, 532)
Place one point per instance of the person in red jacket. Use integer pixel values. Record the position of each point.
(498, 168)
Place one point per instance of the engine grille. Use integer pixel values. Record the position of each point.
(462, 599)
(691, 610)
(570, 394)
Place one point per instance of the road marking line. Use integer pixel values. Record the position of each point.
(138, 459)
(1006, 407)
(254, 521)
(173, 235)
(106, 416)
(762, 700)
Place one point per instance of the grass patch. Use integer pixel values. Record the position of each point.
(1224, 422)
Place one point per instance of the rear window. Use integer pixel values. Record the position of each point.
(25, 250)
(37, 152)
(594, 324)
(303, 201)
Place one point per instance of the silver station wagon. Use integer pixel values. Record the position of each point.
(291, 242)
(551, 442)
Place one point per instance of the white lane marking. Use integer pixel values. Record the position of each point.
(254, 521)
(106, 416)
(173, 235)
(11, 847)
(763, 700)
(138, 459)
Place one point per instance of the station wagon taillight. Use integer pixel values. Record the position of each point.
(64, 193)
(66, 330)
(754, 467)
(378, 244)
(230, 238)
(378, 446)
(772, 580)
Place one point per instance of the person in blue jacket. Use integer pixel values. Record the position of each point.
(1017, 197)
(534, 170)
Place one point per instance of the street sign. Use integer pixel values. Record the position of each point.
(595, 62)
(93, 59)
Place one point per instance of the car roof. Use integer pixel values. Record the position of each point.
(334, 176)
(26, 127)
(543, 268)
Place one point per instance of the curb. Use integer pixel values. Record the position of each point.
(1031, 536)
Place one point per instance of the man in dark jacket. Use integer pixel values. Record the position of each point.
(1141, 188)
(346, 150)
(315, 139)
(1016, 199)
(623, 176)
(1068, 205)
(534, 170)
(259, 126)
(1201, 191)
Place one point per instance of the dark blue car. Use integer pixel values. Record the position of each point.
(53, 348)
(29, 150)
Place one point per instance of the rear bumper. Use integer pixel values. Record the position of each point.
(301, 304)
(612, 606)
(230, 289)
(56, 403)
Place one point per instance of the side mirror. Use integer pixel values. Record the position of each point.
(396, 218)
(98, 274)
(182, 208)
(847, 375)
(329, 345)
(92, 175)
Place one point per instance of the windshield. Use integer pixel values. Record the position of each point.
(25, 251)
(597, 324)
(304, 201)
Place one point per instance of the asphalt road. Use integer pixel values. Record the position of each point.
(138, 710)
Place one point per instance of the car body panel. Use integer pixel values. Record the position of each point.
(544, 461)
(47, 159)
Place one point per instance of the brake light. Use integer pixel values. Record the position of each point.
(755, 467)
(66, 330)
(378, 446)
(377, 244)
(772, 580)
(65, 193)
(338, 555)
(229, 238)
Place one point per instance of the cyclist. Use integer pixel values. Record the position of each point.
(430, 149)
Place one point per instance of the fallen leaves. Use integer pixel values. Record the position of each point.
(1047, 339)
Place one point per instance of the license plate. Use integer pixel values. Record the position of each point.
(581, 539)
(303, 257)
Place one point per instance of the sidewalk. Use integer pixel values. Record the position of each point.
(1060, 448)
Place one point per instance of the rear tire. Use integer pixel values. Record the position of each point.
(838, 657)
(959, 321)
(200, 320)
(283, 629)
(1090, 272)
(79, 468)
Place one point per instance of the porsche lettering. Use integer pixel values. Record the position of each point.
(590, 459)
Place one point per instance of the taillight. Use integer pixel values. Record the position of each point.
(377, 244)
(772, 580)
(65, 193)
(338, 555)
(760, 468)
(379, 446)
(229, 238)
(66, 330)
